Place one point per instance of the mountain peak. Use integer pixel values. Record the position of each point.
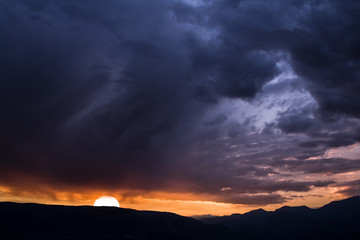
(256, 212)
(303, 210)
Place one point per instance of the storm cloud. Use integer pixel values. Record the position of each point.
(184, 96)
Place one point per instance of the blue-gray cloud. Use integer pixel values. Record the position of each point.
(118, 93)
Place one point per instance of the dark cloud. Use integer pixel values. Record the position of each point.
(322, 165)
(329, 56)
(219, 119)
(321, 38)
(295, 121)
(128, 94)
(260, 199)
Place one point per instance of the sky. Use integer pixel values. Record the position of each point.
(189, 106)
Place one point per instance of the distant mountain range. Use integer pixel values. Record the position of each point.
(337, 220)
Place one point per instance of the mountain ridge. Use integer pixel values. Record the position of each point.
(28, 221)
(336, 220)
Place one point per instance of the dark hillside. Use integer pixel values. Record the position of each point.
(35, 221)
(336, 220)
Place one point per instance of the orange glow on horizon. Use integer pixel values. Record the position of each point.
(181, 203)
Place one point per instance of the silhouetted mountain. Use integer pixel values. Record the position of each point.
(301, 210)
(336, 220)
(36, 221)
(251, 217)
(343, 208)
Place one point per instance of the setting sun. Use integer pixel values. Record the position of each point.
(106, 201)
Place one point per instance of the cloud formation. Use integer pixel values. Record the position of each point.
(173, 96)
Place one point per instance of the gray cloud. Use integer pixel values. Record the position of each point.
(323, 165)
(260, 199)
(126, 94)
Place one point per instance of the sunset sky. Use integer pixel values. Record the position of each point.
(189, 106)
